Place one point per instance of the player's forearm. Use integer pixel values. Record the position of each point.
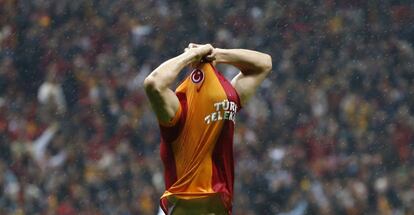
(165, 74)
(248, 61)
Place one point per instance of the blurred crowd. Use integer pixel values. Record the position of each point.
(331, 131)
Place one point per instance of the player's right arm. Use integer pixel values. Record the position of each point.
(157, 84)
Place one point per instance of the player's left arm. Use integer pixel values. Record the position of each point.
(254, 67)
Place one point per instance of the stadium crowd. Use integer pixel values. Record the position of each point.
(330, 132)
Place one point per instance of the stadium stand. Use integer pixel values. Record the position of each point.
(330, 132)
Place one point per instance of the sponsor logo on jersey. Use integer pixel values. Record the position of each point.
(224, 110)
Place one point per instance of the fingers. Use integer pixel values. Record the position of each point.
(204, 49)
(191, 46)
(210, 57)
(194, 45)
(204, 52)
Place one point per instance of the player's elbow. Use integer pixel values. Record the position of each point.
(154, 85)
(150, 84)
(266, 65)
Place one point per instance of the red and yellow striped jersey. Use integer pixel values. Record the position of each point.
(197, 145)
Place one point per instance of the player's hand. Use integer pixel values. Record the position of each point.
(200, 51)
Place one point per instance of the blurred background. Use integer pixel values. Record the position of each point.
(331, 131)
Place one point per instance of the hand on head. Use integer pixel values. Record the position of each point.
(202, 52)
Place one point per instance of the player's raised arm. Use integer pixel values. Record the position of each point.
(157, 85)
(254, 67)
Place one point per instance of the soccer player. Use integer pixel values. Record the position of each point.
(197, 124)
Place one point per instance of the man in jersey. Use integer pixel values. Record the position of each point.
(197, 124)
